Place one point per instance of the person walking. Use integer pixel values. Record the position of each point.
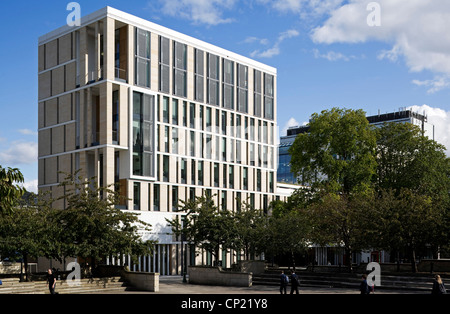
(364, 287)
(438, 286)
(284, 280)
(51, 281)
(294, 283)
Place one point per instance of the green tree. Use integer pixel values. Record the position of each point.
(25, 232)
(342, 220)
(10, 191)
(206, 227)
(405, 221)
(92, 227)
(249, 228)
(286, 233)
(408, 159)
(337, 153)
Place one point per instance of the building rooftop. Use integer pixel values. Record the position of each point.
(164, 31)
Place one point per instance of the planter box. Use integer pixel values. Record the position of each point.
(142, 281)
(205, 275)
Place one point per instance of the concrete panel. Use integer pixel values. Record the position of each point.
(51, 54)
(65, 48)
(44, 142)
(51, 170)
(45, 85)
(65, 108)
(41, 115)
(41, 58)
(51, 112)
(70, 136)
(71, 76)
(58, 140)
(58, 81)
(64, 166)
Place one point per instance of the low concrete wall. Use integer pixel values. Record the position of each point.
(142, 281)
(435, 265)
(206, 275)
(9, 268)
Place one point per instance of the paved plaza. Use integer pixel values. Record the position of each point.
(175, 285)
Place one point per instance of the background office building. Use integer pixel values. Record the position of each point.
(165, 116)
(284, 174)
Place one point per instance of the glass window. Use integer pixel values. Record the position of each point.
(174, 198)
(143, 134)
(174, 140)
(257, 93)
(136, 195)
(231, 177)
(208, 119)
(165, 106)
(156, 197)
(245, 178)
(216, 175)
(192, 142)
(115, 118)
(213, 79)
(180, 69)
(199, 75)
(193, 172)
(200, 172)
(164, 64)
(175, 111)
(242, 88)
(183, 170)
(192, 116)
(166, 168)
(228, 84)
(142, 59)
(268, 96)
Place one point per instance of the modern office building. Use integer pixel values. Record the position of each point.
(284, 174)
(165, 116)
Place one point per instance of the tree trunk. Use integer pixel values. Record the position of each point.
(293, 260)
(25, 263)
(413, 260)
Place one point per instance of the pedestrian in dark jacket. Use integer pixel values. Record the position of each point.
(364, 287)
(284, 280)
(438, 286)
(294, 283)
(51, 281)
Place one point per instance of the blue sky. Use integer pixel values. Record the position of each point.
(325, 52)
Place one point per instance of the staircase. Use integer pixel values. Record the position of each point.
(390, 281)
(86, 286)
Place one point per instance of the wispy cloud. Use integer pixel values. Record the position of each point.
(209, 12)
(434, 85)
(27, 132)
(275, 49)
(331, 56)
(19, 153)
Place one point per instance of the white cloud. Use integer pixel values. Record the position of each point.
(253, 39)
(27, 132)
(31, 185)
(331, 56)
(207, 12)
(435, 85)
(441, 121)
(303, 7)
(275, 49)
(19, 153)
(415, 30)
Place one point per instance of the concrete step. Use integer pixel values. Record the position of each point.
(389, 281)
(13, 286)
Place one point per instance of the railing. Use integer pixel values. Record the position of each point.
(120, 74)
